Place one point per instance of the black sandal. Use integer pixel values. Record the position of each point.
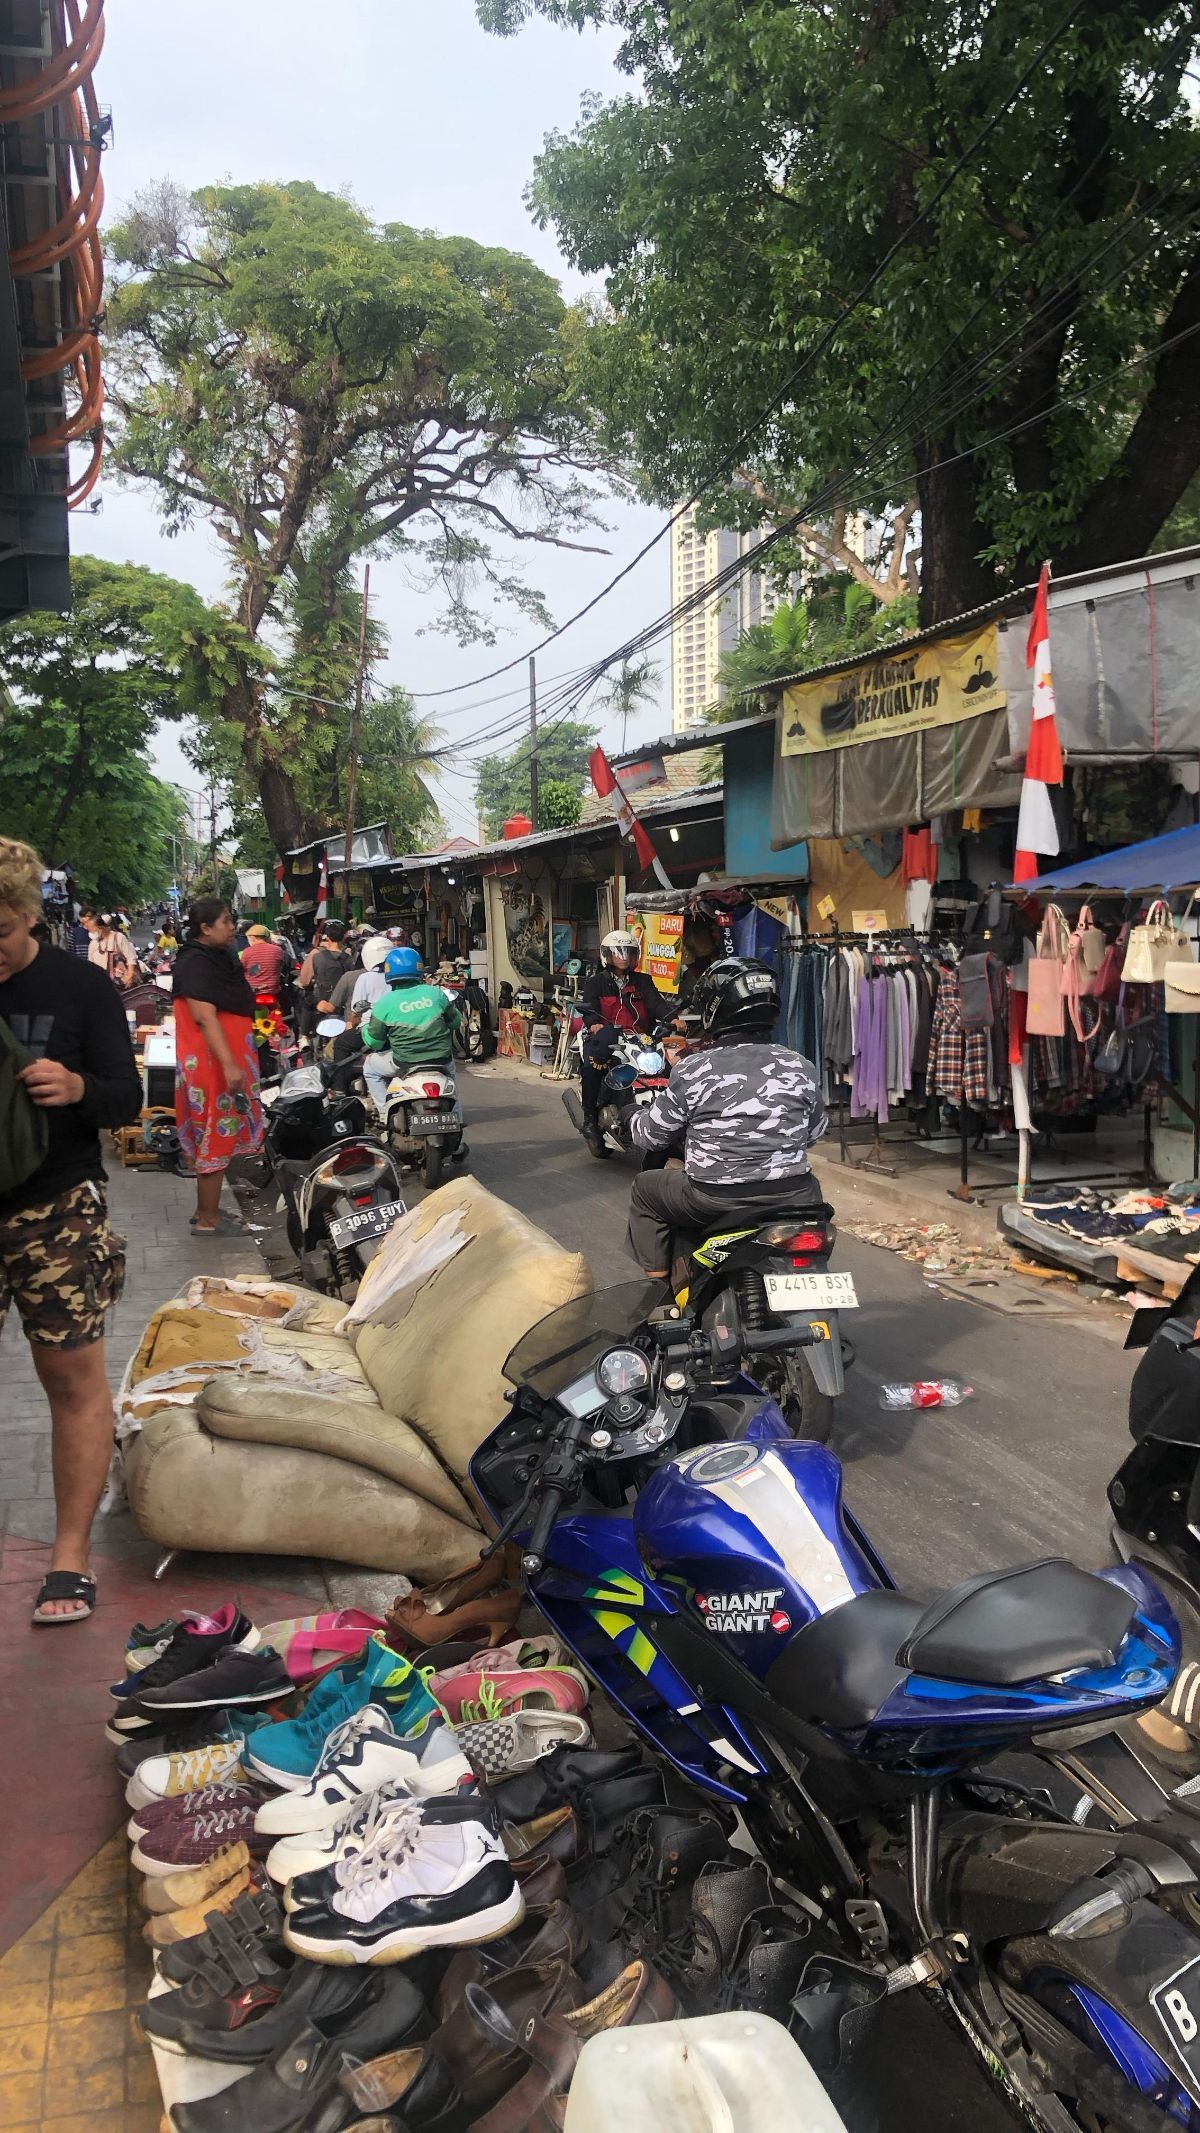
(64, 1585)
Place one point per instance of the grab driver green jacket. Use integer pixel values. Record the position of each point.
(416, 1023)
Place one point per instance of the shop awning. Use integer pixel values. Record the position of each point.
(1168, 862)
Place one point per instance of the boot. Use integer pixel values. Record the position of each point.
(593, 1135)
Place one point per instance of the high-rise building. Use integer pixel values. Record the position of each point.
(714, 625)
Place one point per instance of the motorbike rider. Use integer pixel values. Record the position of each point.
(411, 1025)
(616, 997)
(746, 1111)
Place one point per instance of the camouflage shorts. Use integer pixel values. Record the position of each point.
(63, 1267)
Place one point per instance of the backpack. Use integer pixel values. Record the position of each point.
(24, 1129)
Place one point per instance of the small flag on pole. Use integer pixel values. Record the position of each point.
(323, 888)
(608, 788)
(1037, 831)
(281, 884)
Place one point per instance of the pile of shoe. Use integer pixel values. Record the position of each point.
(447, 1813)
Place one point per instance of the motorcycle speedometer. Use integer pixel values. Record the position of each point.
(622, 1370)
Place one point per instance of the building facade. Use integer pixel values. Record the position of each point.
(714, 625)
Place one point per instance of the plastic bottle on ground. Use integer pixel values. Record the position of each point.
(926, 1392)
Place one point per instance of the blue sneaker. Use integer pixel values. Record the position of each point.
(287, 1752)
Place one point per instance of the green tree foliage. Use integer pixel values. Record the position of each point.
(559, 804)
(839, 622)
(1018, 369)
(84, 693)
(635, 684)
(502, 785)
(318, 387)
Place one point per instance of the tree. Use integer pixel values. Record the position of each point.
(559, 804)
(502, 784)
(398, 752)
(628, 690)
(319, 387)
(839, 622)
(1022, 369)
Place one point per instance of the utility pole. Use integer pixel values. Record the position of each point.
(533, 745)
(212, 837)
(355, 730)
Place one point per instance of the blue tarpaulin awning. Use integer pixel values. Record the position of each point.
(1170, 862)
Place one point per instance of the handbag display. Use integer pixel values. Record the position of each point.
(1150, 945)
(993, 927)
(975, 993)
(1181, 972)
(1045, 1017)
(1107, 982)
(1086, 942)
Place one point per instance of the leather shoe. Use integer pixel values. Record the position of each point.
(313, 1993)
(299, 2086)
(551, 2044)
(554, 1835)
(482, 2062)
(559, 1939)
(561, 1779)
(418, 2084)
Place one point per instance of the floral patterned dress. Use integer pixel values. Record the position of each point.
(213, 1127)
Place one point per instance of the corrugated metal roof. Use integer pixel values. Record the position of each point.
(656, 810)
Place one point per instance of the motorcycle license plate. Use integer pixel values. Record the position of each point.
(1176, 2002)
(430, 1121)
(811, 1292)
(366, 1223)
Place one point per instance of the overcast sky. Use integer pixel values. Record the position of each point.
(424, 119)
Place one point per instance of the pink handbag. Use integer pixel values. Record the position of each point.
(1045, 1017)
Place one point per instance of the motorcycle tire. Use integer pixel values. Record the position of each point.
(435, 1159)
(807, 1410)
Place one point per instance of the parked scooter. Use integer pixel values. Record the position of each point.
(1155, 1495)
(638, 1070)
(911, 1769)
(340, 1187)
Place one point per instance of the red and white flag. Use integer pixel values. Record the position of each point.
(1037, 831)
(607, 787)
(284, 898)
(323, 888)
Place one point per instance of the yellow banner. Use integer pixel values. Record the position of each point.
(934, 684)
(662, 946)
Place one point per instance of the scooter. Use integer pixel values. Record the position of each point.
(910, 1771)
(1155, 1495)
(339, 1186)
(423, 1121)
(637, 1071)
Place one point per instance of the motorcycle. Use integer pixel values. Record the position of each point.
(637, 1071)
(423, 1120)
(912, 1774)
(1155, 1494)
(474, 1038)
(339, 1187)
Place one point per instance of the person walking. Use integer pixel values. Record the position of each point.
(110, 949)
(69, 1071)
(217, 1107)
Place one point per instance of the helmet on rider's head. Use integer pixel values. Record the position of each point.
(376, 951)
(736, 997)
(403, 967)
(621, 950)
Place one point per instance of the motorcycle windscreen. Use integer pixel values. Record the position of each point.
(560, 1348)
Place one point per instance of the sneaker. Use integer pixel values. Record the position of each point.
(324, 1848)
(500, 1747)
(253, 1916)
(195, 1884)
(364, 1752)
(253, 2001)
(147, 1645)
(471, 1693)
(287, 1753)
(234, 1677)
(170, 1776)
(189, 1649)
(189, 1840)
(421, 1884)
(187, 1804)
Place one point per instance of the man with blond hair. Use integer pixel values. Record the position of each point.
(66, 1051)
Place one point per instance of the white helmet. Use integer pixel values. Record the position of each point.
(376, 951)
(624, 944)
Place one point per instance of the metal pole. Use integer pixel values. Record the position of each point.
(533, 745)
(355, 729)
(212, 837)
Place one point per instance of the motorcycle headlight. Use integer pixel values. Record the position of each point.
(622, 1370)
(650, 1062)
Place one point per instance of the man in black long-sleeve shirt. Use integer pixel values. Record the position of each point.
(59, 1261)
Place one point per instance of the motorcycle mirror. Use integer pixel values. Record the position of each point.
(331, 1026)
(1145, 1324)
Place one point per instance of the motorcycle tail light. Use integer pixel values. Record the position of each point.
(432, 1088)
(351, 1158)
(788, 1239)
(801, 1259)
(361, 1199)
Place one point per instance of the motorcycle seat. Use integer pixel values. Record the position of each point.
(999, 1630)
(816, 1212)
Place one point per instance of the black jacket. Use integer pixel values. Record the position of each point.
(624, 1000)
(60, 1008)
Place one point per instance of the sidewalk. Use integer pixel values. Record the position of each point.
(72, 1960)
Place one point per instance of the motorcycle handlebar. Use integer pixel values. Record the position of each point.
(790, 1337)
(550, 1505)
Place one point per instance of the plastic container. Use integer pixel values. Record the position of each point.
(926, 1392)
(725, 2073)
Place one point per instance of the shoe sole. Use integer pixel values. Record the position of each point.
(245, 1644)
(221, 1703)
(287, 1780)
(129, 1728)
(399, 1947)
(159, 1869)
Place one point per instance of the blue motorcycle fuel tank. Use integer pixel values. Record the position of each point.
(753, 1537)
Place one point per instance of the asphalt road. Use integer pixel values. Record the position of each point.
(1016, 1473)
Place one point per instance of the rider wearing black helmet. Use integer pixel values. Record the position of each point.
(746, 1110)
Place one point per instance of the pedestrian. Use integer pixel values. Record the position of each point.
(324, 964)
(264, 963)
(217, 1107)
(168, 939)
(79, 939)
(60, 1263)
(109, 949)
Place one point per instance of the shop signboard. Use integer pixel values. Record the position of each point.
(929, 685)
(662, 946)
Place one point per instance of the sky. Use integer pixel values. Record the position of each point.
(409, 106)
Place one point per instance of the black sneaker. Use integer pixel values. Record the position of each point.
(174, 1739)
(189, 1650)
(231, 1679)
(228, 2016)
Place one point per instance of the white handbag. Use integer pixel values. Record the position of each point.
(1181, 973)
(1150, 945)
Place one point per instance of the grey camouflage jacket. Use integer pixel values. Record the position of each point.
(745, 1112)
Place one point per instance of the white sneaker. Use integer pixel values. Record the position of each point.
(349, 1836)
(500, 1747)
(362, 1754)
(166, 1777)
(420, 1884)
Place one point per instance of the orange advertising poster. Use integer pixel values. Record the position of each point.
(662, 946)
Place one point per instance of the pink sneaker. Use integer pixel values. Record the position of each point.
(516, 1657)
(470, 1694)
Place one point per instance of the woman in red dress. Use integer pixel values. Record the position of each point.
(217, 1108)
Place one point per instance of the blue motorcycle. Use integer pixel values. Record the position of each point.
(943, 1786)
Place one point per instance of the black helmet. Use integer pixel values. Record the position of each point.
(736, 997)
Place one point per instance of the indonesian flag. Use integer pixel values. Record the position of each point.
(281, 884)
(323, 887)
(1036, 828)
(607, 787)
